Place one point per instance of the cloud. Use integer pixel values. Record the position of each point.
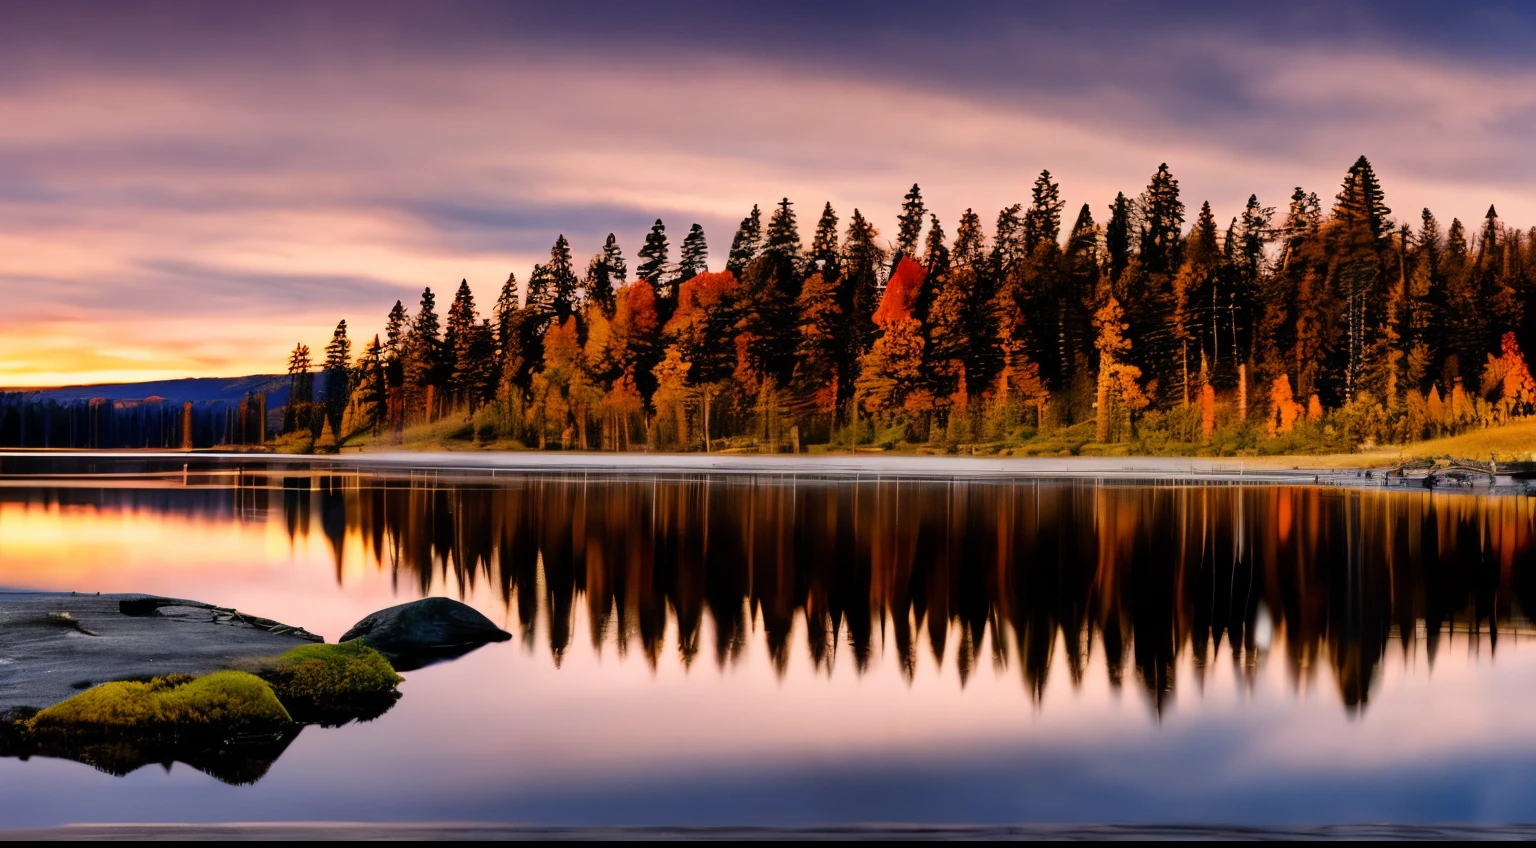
(269, 166)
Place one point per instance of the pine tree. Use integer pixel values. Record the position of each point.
(1042, 223)
(909, 226)
(653, 256)
(935, 253)
(857, 296)
(1008, 242)
(395, 328)
(562, 280)
(300, 389)
(338, 378)
(745, 244)
(969, 248)
(772, 285)
(605, 274)
(1162, 221)
(371, 396)
(459, 342)
(1356, 235)
(423, 356)
(824, 250)
(695, 255)
(1117, 237)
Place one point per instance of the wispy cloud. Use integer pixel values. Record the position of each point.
(256, 172)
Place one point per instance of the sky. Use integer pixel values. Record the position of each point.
(189, 189)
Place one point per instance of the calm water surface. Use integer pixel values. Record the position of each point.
(781, 650)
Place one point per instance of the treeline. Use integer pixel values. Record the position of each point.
(28, 420)
(1315, 327)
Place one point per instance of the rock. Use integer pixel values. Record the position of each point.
(426, 631)
(56, 644)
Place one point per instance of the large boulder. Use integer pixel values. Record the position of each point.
(426, 631)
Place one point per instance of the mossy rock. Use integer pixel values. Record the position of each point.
(330, 684)
(222, 703)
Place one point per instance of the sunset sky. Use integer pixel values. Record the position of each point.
(188, 189)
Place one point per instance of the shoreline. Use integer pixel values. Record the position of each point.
(229, 467)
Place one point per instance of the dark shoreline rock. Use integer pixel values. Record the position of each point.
(422, 632)
(53, 645)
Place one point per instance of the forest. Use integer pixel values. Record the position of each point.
(1312, 330)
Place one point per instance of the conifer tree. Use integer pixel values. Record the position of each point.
(1117, 237)
(745, 244)
(1008, 242)
(1042, 223)
(653, 256)
(969, 248)
(456, 333)
(423, 356)
(562, 280)
(857, 295)
(824, 249)
(772, 285)
(694, 259)
(338, 378)
(395, 328)
(606, 273)
(300, 389)
(1162, 221)
(372, 393)
(909, 225)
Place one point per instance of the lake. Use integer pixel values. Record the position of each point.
(790, 649)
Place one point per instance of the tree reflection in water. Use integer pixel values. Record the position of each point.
(1023, 575)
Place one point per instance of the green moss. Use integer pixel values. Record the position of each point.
(330, 683)
(223, 701)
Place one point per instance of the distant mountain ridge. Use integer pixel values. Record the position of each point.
(188, 389)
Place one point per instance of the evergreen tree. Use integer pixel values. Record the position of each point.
(562, 280)
(1008, 242)
(695, 255)
(372, 393)
(1356, 243)
(772, 285)
(935, 252)
(857, 296)
(909, 226)
(300, 389)
(422, 360)
(969, 248)
(459, 342)
(338, 378)
(745, 244)
(606, 273)
(653, 256)
(1042, 223)
(1117, 237)
(395, 329)
(1162, 221)
(824, 250)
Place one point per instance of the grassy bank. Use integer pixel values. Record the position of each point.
(1508, 442)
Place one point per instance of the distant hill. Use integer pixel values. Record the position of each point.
(194, 389)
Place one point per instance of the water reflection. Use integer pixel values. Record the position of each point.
(1021, 576)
